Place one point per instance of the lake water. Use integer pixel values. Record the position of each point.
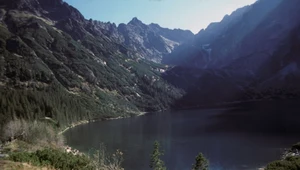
(245, 137)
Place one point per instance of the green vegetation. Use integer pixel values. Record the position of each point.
(22, 135)
(290, 161)
(201, 163)
(156, 163)
(102, 160)
(69, 75)
(36, 133)
(39, 144)
(54, 158)
(63, 107)
(59, 158)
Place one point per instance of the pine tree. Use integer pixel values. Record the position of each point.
(201, 163)
(156, 163)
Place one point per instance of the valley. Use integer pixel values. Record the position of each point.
(59, 68)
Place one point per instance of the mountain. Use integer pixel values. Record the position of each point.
(197, 51)
(151, 42)
(251, 54)
(55, 63)
(216, 29)
(239, 35)
(176, 35)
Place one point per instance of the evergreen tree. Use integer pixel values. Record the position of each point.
(201, 163)
(156, 163)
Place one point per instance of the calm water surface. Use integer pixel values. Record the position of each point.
(235, 139)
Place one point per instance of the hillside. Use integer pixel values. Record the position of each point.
(59, 69)
(57, 64)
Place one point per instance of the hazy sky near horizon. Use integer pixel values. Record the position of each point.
(185, 14)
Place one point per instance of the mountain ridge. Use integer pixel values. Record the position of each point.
(95, 69)
(256, 59)
(62, 11)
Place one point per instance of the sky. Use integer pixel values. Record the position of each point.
(193, 15)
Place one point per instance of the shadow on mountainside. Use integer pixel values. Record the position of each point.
(270, 71)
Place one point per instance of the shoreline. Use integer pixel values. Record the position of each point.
(137, 115)
(96, 120)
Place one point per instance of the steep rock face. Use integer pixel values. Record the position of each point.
(177, 35)
(151, 41)
(138, 37)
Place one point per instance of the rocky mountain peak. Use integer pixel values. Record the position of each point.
(135, 21)
(154, 25)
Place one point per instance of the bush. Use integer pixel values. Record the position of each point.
(291, 163)
(14, 129)
(54, 158)
(101, 160)
(32, 132)
(44, 134)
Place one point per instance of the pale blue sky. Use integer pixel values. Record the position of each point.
(185, 14)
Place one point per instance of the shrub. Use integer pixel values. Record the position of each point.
(101, 160)
(32, 132)
(289, 163)
(14, 129)
(292, 163)
(44, 134)
(54, 158)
